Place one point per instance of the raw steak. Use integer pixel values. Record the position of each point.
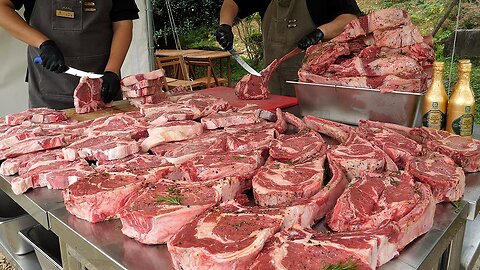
(228, 237)
(281, 123)
(119, 125)
(227, 119)
(141, 84)
(156, 98)
(334, 130)
(299, 248)
(440, 172)
(135, 93)
(161, 209)
(32, 145)
(101, 196)
(36, 115)
(87, 96)
(168, 111)
(12, 166)
(398, 147)
(132, 163)
(101, 148)
(307, 211)
(218, 166)
(66, 176)
(249, 140)
(297, 148)
(376, 199)
(206, 104)
(295, 121)
(138, 80)
(17, 134)
(278, 184)
(172, 132)
(255, 87)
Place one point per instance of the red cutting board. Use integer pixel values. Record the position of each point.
(228, 94)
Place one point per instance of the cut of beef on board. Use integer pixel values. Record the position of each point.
(162, 208)
(101, 196)
(101, 148)
(277, 183)
(87, 96)
(17, 134)
(307, 211)
(440, 172)
(227, 119)
(299, 248)
(32, 145)
(376, 199)
(143, 79)
(398, 147)
(228, 237)
(172, 132)
(297, 148)
(36, 115)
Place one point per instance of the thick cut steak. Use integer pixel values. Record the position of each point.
(36, 115)
(133, 163)
(32, 145)
(101, 196)
(172, 132)
(299, 248)
(169, 111)
(119, 125)
(87, 96)
(150, 99)
(307, 211)
(297, 148)
(101, 148)
(135, 93)
(245, 141)
(161, 209)
(17, 134)
(398, 147)
(228, 237)
(206, 104)
(282, 184)
(12, 166)
(440, 172)
(227, 119)
(376, 199)
(143, 79)
(281, 124)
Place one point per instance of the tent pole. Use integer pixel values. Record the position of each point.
(151, 45)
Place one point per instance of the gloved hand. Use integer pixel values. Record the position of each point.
(110, 86)
(52, 57)
(311, 39)
(224, 36)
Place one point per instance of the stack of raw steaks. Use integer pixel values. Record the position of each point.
(182, 172)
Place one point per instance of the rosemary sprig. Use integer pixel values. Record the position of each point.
(456, 205)
(341, 266)
(238, 157)
(170, 199)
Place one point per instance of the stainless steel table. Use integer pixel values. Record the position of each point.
(472, 194)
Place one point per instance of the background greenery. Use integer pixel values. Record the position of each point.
(196, 21)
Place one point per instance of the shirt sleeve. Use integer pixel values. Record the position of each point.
(344, 7)
(124, 10)
(323, 12)
(249, 7)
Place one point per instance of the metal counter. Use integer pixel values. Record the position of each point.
(472, 194)
(35, 202)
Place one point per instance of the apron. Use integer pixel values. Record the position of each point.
(285, 22)
(83, 31)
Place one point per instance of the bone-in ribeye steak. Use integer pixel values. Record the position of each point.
(120, 125)
(17, 134)
(135, 162)
(12, 166)
(440, 172)
(376, 199)
(87, 96)
(227, 119)
(162, 208)
(101, 196)
(297, 148)
(169, 111)
(32, 145)
(172, 132)
(228, 237)
(206, 104)
(279, 183)
(299, 248)
(101, 148)
(36, 115)
(245, 141)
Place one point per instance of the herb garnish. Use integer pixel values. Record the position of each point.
(239, 224)
(173, 197)
(349, 265)
(238, 157)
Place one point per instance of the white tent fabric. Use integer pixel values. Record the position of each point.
(13, 88)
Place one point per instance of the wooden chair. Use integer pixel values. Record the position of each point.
(210, 79)
(176, 72)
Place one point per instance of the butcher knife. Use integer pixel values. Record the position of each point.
(244, 64)
(73, 71)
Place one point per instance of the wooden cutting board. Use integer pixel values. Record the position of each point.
(120, 106)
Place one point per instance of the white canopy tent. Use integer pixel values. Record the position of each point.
(13, 89)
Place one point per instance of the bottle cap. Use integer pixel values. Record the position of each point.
(438, 65)
(464, 61)
(465, 66)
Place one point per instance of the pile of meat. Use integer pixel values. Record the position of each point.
(87, 96)
(178, 172)
(145, 88)
(382, 50)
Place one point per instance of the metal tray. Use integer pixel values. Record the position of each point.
(13, 219)
(46, 245)
(348, 105)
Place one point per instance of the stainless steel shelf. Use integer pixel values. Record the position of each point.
(35, 202)
(472, 194)
(28, 261)
(471, 245)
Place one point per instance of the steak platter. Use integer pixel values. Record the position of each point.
(243, 188)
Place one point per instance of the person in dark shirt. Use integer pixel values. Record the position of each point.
(287, 24)
(90, 35)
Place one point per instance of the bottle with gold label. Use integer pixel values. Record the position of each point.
(434, 109)
(461, 105)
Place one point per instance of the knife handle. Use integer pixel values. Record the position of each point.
(37, 60)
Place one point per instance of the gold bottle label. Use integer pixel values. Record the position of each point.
(463, 125)
(435, 119)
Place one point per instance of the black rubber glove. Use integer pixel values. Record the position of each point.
(224, 36)
(311, 39)
(52, 57)
(110, 86)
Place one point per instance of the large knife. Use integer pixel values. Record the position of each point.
(242, 63)
(73, 71)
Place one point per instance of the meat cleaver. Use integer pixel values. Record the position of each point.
(73, 71)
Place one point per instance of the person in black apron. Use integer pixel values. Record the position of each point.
(90, 35)
(287, 24)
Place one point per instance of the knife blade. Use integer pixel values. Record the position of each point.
(73, 71)
(244, 64)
